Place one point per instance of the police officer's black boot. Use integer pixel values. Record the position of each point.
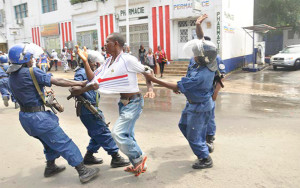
(210, 143)
(118, 161)
(17, 105)
(85, 173)
(52, 169)
(89, 159)
(203, 163)
(5, 100)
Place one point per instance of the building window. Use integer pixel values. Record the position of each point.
(21, 11)
(1, 18)
(183, 35)
(182, 23)
(49, 5)
(192, 22)
(291, 34)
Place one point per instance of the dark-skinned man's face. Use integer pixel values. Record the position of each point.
(110, 45)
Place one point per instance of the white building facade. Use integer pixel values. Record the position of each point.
(54, 24)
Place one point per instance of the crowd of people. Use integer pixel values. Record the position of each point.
(114, 70)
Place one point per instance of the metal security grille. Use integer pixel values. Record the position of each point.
(139, 35)
(187, 30)
(184, 35)
(88, 39)
(182, 24)
(192, 22)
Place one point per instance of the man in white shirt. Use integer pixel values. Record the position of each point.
(119, 75)
(54, 58)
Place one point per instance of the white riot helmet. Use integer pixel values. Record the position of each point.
(204, 52)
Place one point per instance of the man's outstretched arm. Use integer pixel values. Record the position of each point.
(66, 83)
(199, 30)
(84, 57)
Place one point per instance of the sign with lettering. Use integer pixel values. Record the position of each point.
(228, 22)
(50, 30)
(137, 11)
(181, 6)
(218, 31)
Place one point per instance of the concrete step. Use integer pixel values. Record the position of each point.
(174, 72)
(180, 63)
(175, 69)
(177, 66)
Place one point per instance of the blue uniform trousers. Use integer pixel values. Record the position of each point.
(5, 90)
(45, 127)
(56, 143)
(211, 127)
(99, 133)
(193, 126)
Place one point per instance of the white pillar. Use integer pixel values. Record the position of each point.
(127, 24)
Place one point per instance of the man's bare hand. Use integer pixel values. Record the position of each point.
(75, 90)
(83, 83)
(94, 86)
(150, 95)
(201, 19)
(82, 53)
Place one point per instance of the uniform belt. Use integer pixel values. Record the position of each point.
(3, 77)
(191, 102)
(138, 95)
(32, 109)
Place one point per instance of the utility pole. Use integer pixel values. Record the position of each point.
(127, 23)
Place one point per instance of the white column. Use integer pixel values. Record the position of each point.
(127, 24)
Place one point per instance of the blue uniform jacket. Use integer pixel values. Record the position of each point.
(91, 95)
(3, 72)
(21, 84)
(197, 86)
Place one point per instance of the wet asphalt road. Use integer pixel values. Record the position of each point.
(257, 142)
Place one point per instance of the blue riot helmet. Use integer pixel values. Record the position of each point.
(18, 54)
(3, 59)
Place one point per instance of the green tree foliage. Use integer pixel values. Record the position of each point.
(277, 13)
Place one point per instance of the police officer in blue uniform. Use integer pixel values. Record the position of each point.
(97, 128)
(4, 87)
(36, 121)
(197, 86)
(211, 127)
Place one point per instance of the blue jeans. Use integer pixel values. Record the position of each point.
(211, 127)
(123, 130)
(193, 126)
(99, 133)
(44, 67)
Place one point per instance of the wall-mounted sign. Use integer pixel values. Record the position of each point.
(197, 5)
(228, 22)
(136, 11)
(218, 31)
(181, 6)
(50, 30)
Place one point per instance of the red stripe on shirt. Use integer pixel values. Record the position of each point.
(112, 78)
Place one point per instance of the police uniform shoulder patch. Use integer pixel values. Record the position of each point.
(221, 66)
